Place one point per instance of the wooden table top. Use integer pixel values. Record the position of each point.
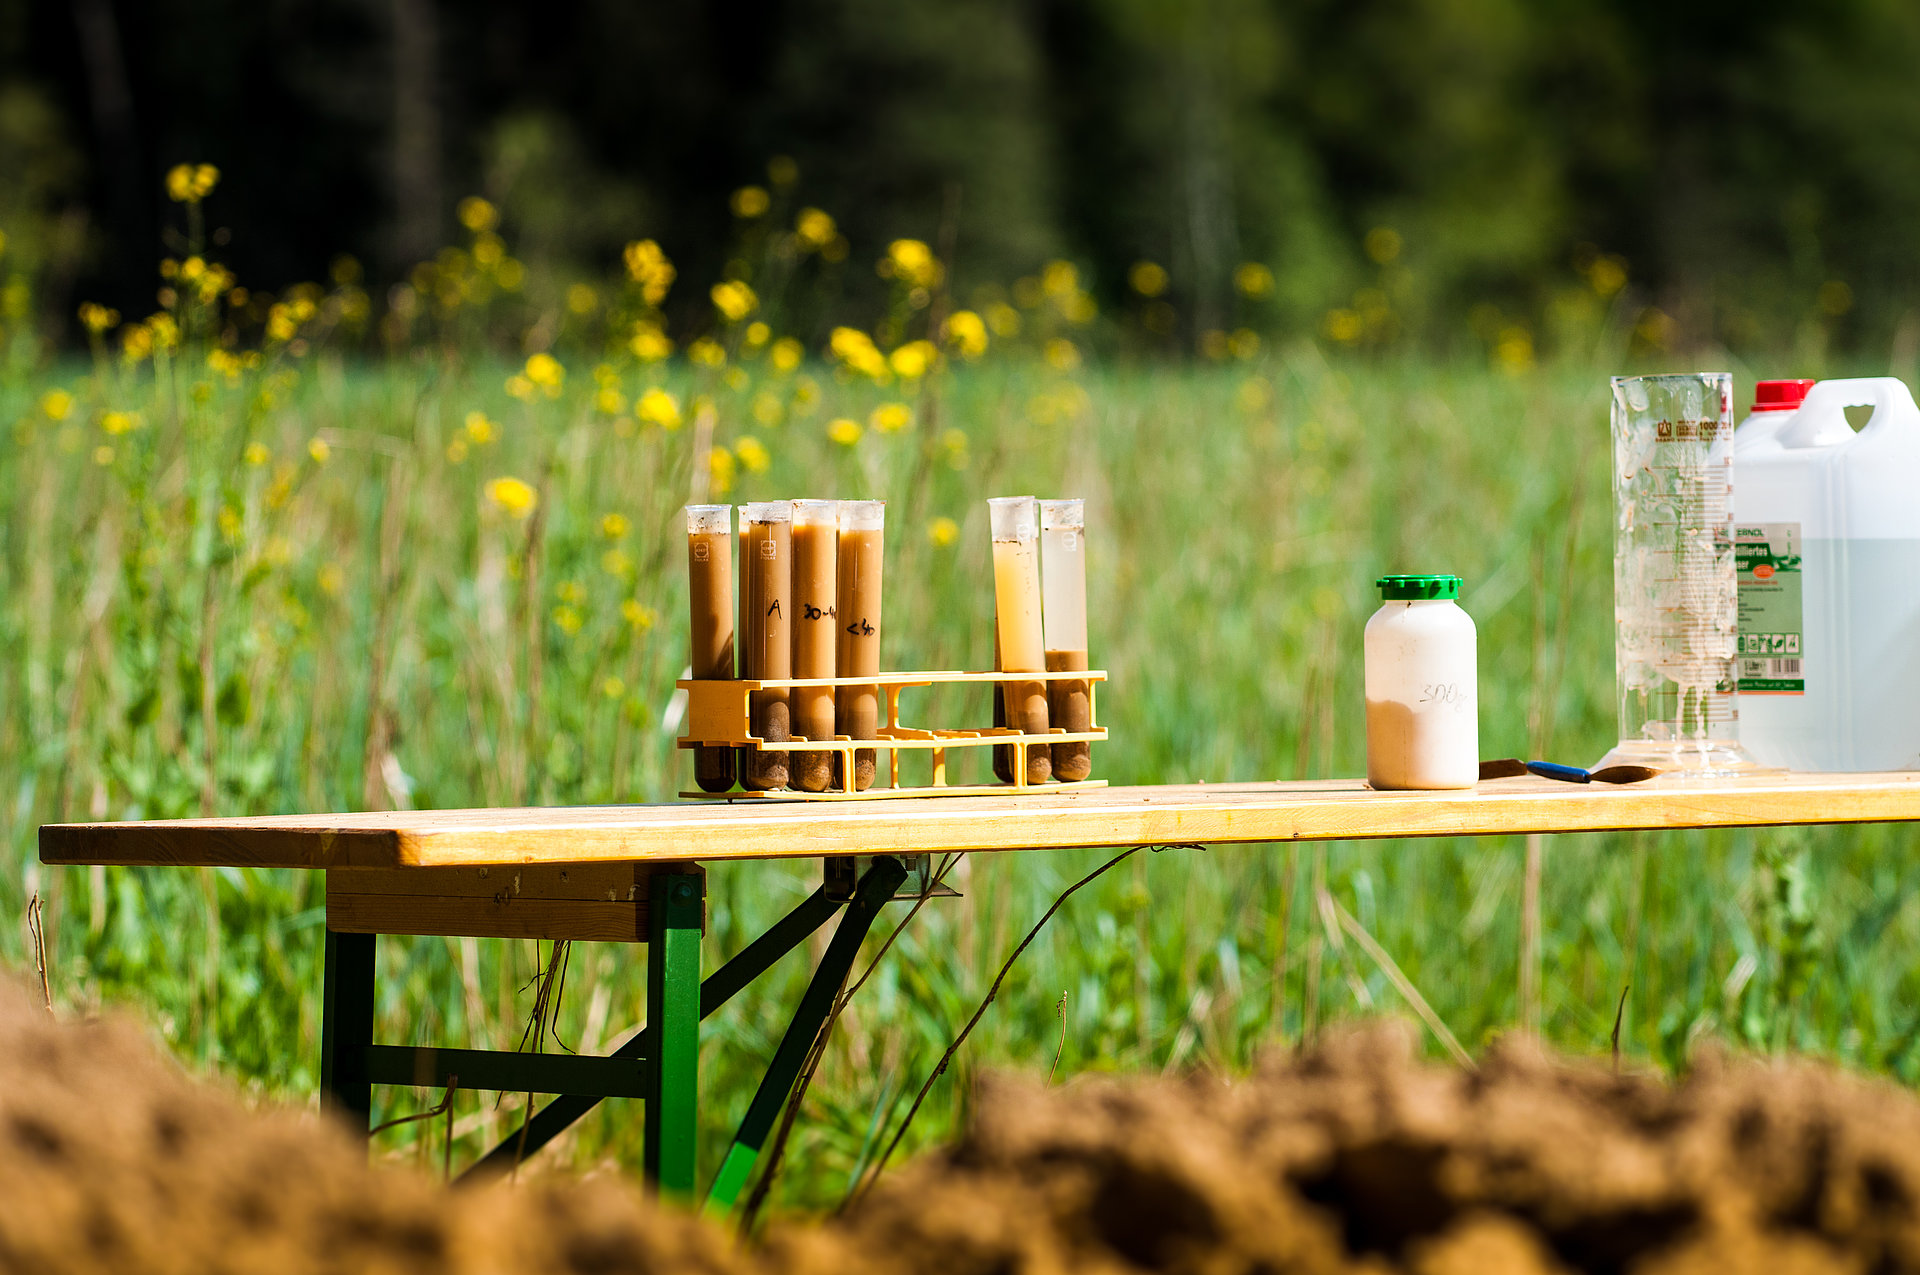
(1215, 814)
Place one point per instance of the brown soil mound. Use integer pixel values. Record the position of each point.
(110, 1160)
(1358, 1158)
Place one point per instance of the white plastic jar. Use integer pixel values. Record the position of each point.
(1423, 719)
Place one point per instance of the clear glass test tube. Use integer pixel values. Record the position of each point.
(1015, 524)
(816, 552)
(861, 553)
(1063, 593)
(710, 627)
(766, 633)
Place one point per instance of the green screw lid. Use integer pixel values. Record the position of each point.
(1418, 588)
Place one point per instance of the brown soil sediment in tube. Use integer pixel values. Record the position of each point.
(1020, 648)
(815, 633)
(857, 708)
(710, 639)
(766, 645)
(1070, 708)
(1356, 1158)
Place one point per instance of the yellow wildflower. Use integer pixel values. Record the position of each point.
(1244, 344)
(103, 455)
(1256, 393)
(582, 299)
(649, 343)
(136, 342)
(331, 579)
(942, 532)
(191, 183)
(477, 214)
(857, 351)
(815, 229)
(610, 400)
(567, 620)
(521, 388)
(257, 454)
(510, 275)
(319, 449)
(545, 371)
(721, 466)
(967, 333)
(1062, 355)
(753, 454)
(457, 451)
(1003, 319)
(570, 591)
(891, 418)
(489, 250)
(280, 323)
(1059, 279)
(912, 360)
(1148, 278)
(750, 201)
(1382, 244)
(230, 523)
(57, 404)
(1253, 280)
(166, 333)
(97, 318)
(512, 495)
(613, 526)
(758, 334)
(1343, 326)
(480, 429)
(613, 687)
(912, 263)
(954, 442)
(640, 617)
(615, 562)
(1513, 351)
(120, 422)
(657, 407)
(733, 299)
(707, 353)
(786, 354)
(767, 408)
(649, 267)
(844, 431)
(736, 378)
(1608, 274)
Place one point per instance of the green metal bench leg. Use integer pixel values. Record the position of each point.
(346, 1027)
(875, 889)
(673, 1009)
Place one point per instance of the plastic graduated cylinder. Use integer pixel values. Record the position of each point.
(1423, 726)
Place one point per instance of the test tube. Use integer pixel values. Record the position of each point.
(1063, 593)
(857, 708)
(710, 631)
(1015, 523)
(766, 631)
(816, 548)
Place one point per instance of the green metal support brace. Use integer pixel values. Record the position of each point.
(759, 956)
(876, 888)
(675, 916)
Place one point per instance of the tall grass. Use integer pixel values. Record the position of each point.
(299, 587)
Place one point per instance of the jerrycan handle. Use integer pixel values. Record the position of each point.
(1822, 418)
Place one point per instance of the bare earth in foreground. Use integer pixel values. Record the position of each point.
(1356, 1158)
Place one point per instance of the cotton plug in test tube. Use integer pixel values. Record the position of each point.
(710, 630)
(766, 633)
(1015, 523)
(857, 651)
(816, 549)
(1063, 591)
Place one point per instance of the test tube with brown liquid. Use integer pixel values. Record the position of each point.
(816, 550)
(857, 651)
(766, 634)
(1015, 523)
(710, 632)
(1063, 595)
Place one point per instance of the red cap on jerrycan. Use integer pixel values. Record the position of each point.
(1779, 396)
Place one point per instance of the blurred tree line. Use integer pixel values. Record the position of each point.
(1407, 170)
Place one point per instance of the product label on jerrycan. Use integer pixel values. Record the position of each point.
(1767, 558)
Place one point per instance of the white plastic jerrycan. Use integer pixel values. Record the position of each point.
(1827, 544)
